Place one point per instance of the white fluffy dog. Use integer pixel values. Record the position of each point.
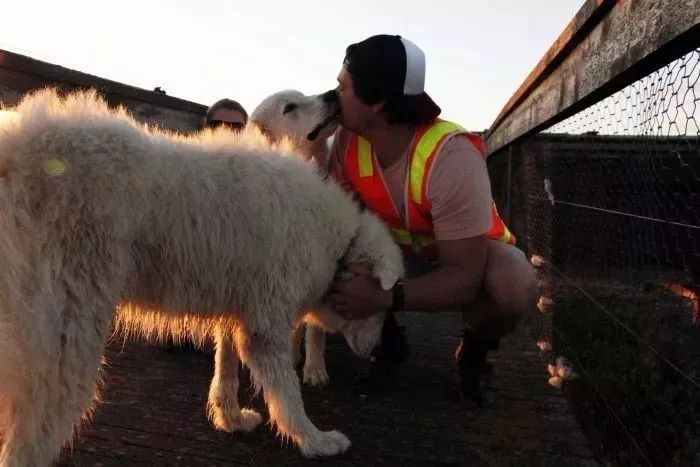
(305, 122)
(209, 235)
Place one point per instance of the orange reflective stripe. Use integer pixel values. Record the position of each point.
(370, 189)
(499, 231)
(477, 141)
(497, 227)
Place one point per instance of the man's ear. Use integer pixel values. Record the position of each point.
(378, 107)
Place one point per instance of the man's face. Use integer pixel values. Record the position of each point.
(355, 114)
(232, 119)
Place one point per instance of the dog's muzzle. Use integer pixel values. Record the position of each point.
(331, 119)
(330, 98)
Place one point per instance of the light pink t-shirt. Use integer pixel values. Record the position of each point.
(458, 187)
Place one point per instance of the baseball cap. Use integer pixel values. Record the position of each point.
(394, 66)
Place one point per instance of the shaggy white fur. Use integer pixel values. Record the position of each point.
(211, 235)
(292, 115)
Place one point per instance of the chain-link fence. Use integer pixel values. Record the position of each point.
(609, 202)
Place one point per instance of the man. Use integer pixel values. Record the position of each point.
(427, 179)
(226, 112)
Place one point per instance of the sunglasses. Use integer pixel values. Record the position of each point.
(235, 126)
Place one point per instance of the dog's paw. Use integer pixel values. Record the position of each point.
(248, 421)
(315, 375)
(324, 443)
(243, 422)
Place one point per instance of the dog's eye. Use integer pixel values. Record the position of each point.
(289, 108)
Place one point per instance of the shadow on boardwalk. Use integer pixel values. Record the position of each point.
(153, 410)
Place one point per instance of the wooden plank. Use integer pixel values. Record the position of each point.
(153, 411)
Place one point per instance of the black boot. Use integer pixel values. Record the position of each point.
(386, 357)
(472, 368)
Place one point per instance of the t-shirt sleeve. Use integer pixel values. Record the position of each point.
(459, 191)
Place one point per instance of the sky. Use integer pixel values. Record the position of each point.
(477, 52)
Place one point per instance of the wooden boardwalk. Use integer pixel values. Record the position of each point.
(153, 411)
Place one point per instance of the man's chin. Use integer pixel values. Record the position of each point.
(346, 125)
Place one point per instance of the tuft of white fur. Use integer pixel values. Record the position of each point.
(103, 218)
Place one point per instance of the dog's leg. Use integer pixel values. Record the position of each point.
(268, 354)
(58, 386)
(222, 408)
(315, 373)
(296, 343)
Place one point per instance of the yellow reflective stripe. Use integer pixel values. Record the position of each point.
(505, 238)
(364, 153)
(404, 237)
(424, 148)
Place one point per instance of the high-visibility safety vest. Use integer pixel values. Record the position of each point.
(415, 235)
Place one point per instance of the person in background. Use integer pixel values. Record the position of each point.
(227, 113)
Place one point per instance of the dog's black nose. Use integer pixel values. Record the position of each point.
(330, 96)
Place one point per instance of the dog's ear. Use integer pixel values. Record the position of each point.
(387, 279)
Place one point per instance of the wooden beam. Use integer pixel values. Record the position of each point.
(49, 72)
(608, 45)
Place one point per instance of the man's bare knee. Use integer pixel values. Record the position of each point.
(511, 280)
(522, 293)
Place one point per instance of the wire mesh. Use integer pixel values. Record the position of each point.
(613, 220)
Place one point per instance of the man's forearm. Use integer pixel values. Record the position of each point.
(442, 288)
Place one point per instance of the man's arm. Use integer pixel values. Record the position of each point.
(455, 282)
(460, 195)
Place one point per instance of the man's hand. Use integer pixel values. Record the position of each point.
(358, 296)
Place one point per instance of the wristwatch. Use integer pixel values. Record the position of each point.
(399, 299)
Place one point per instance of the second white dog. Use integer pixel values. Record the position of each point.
(305, 122)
